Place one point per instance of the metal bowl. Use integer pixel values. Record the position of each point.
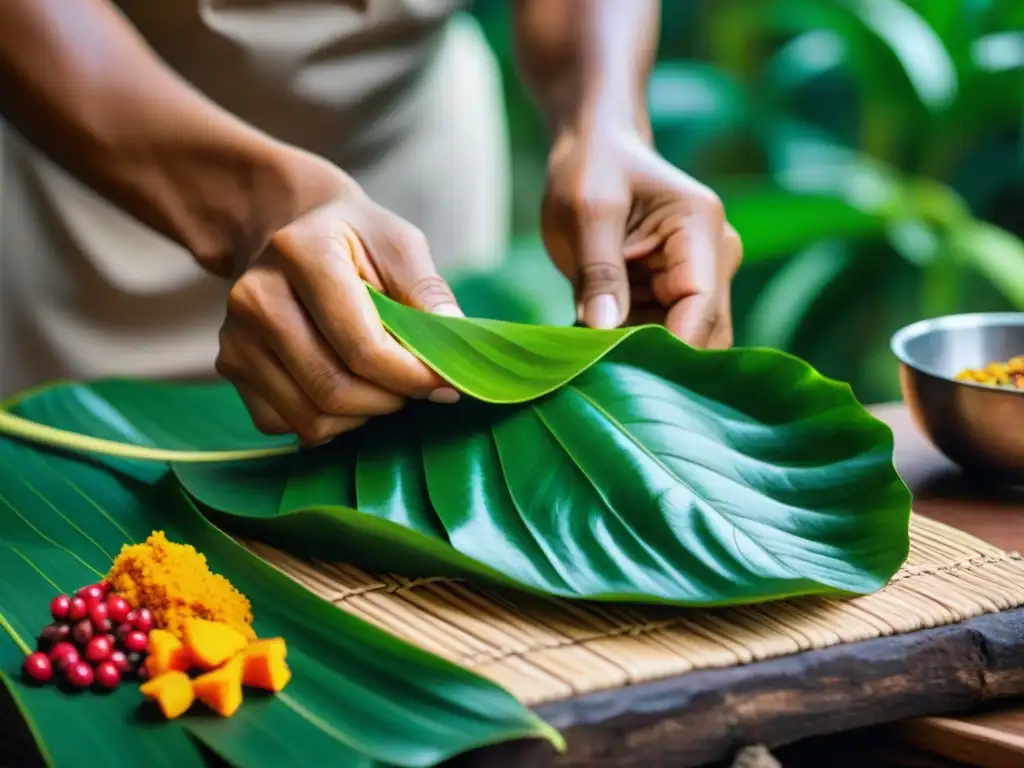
(981, 428)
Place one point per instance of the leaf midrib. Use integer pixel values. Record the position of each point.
(647, 547)
(682, 481)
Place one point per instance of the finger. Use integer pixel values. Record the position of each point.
(721, 337)
(602, 282)
(693, 319)
(689, 285)
(264, 417)
(315, 366)
(401, 255)
(705, 318)
(732, 257)
(325, 278)
(274, 387)
(638, 246)
(732, 250)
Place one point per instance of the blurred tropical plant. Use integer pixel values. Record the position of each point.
(907, 111)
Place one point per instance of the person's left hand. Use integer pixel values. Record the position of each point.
(641, 241)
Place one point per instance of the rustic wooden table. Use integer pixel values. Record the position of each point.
(992, 739)
(942, 493)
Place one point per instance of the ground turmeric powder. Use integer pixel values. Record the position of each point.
(175, 583)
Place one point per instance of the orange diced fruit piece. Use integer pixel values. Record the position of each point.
(172, 691)
(212, 643)
(221, 689)
(166, 653)
(265, 665)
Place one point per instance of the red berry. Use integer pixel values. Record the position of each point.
(107, 675)
(143, 620)
(118, 609)
(78, 675)
(136, 642)
(77, 608)
(104, 586)
(91, 593)
(82, 632)
(120, 660)
(38, 667)
(142, 672)
(59, 607)
(52, 634)
(98, 649)
(98, 613)
(63, 654)
(124, 630)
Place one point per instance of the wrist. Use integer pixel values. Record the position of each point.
(603, 126)
(603, 114)
(255, 188)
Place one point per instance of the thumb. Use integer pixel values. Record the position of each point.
(602, 285)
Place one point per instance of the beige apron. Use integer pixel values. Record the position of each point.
(400, 93)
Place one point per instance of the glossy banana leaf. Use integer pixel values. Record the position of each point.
(358, 697)
(612, 465)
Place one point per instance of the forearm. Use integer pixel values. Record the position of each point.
(80, 84)
(586, 62)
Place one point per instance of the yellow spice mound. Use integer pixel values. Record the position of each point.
(175, 583)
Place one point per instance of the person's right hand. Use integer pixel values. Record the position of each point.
(302, 341)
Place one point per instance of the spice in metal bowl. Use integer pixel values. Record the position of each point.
(1008, 375)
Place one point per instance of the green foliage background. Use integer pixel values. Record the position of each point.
(921, 101)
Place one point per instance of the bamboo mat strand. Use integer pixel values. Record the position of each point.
(544, 649)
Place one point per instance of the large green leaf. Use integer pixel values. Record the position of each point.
(995, 254)
(806, 160)
(805, 58)
(359, 697)
(608, 465)
(898, 60)
(776, 222)
(781, 307)
(690, 103)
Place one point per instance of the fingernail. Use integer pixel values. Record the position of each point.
(602, 311)
(444, 395)
(448, 310)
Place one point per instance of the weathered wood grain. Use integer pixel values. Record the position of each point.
(707, 716)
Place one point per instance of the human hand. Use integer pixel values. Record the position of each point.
(640, 240)
(302, 341)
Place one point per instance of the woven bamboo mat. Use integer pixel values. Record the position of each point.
(547, 649)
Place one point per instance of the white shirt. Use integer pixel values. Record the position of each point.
(396, 93)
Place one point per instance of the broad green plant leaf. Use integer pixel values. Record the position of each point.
(993, 87)
(359, 696)
(806, 160)
(805, 58)
(897, 59)
(995, 254)
(777, 222)
(601, 464)
(781, 307)
(690, 102)
(920, 51)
